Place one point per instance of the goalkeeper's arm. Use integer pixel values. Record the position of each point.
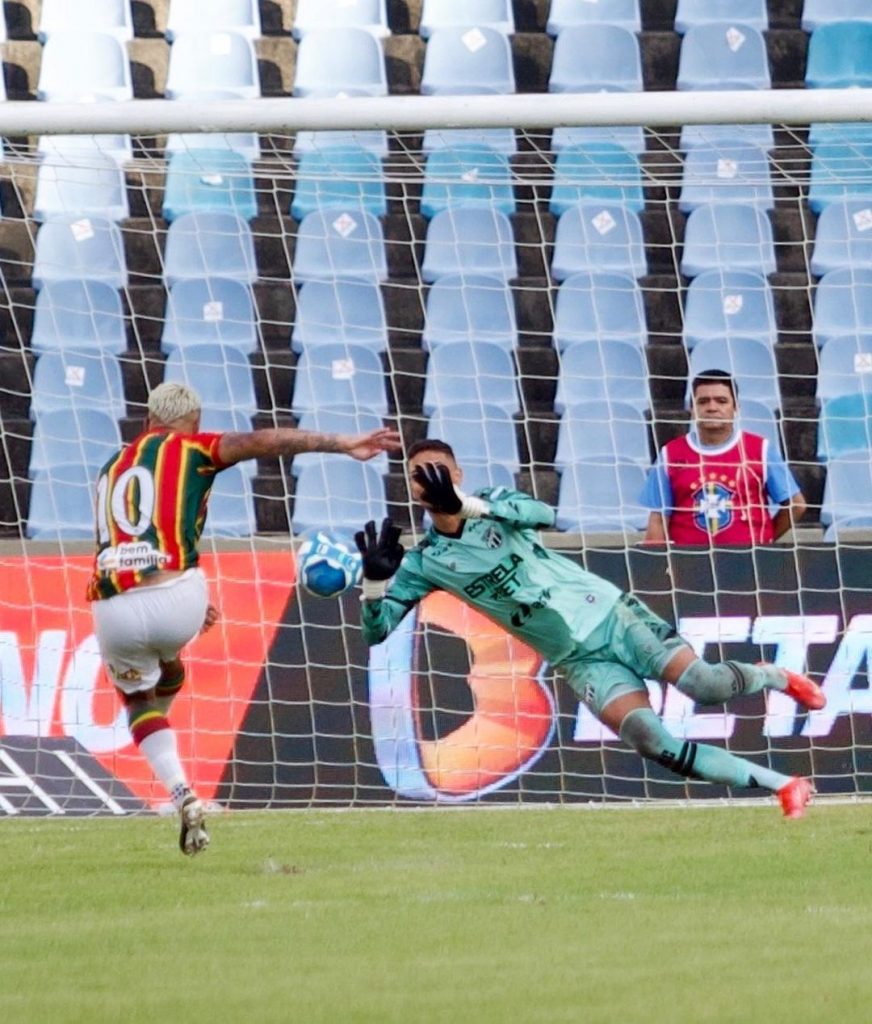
(514, 507)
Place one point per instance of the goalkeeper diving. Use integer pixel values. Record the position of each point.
(485, 549)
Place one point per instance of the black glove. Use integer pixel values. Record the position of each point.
(438, 488)
(382, 554)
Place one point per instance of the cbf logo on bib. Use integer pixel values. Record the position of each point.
(713, 505)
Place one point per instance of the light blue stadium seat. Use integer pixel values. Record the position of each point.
(726, 55)
(245, 143)
(840, 56)
(599, 306)
(848, 489)
(469, 241)
(209, 245)
(602, 429)
(84, 65)
(339, 176)
(610, 370)
(209, 180)
(500, 140)
(478, 433)
(843, 304)
(729, 236)
(212, 310)
(76, 379)
(78, 314)
(732, 303)
(69, 437)
(471, 371)
(479, 475)
(467, 175)
(759, 418)
(596, 58)
(242, 16)
(221, 421)
(565, 14)
(726, 174)
(312, 15)
(375, 141)
(840, 173)
(93, 188)
(349, 311)
(89, 248)
(230, 512)
(347, 59)
(701, 12)
(845, 425)
(629, 137)
(339, 375)
(816, 13)
(843, 237)
(110, 16)
(72, 149)
(601, 172)
(340, 419)
(750, 362)
(841, 133)
(338, 493)
(62, 505)
(601, 497)
(845, 367)
(210, 61)
(340, 242)
(598, 237)
(760, 135)
(496, 14)
(470, 307)
(220, 374)
(460, 59)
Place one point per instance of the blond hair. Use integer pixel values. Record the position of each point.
(170, 402)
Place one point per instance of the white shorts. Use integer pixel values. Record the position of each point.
(142, 627)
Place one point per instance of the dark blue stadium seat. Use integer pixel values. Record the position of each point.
(467, 175)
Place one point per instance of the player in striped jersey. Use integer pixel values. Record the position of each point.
(149, 596)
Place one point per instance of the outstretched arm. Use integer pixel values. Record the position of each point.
(440, 495)
(283, 441)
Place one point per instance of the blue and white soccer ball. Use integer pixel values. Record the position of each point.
(328, 564)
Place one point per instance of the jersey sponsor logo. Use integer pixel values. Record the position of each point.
(492, 538)
(131, 555)
(499, 581)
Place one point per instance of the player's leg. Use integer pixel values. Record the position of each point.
(172, 679)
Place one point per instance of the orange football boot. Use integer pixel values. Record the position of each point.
(794, 796)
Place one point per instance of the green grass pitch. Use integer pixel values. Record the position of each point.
(486, 915)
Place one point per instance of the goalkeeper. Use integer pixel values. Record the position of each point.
(485, 550)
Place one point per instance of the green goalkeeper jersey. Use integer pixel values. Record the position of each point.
(497, 565)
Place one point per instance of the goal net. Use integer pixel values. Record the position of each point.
(515, 278)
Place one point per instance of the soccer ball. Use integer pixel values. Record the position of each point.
(328, 564)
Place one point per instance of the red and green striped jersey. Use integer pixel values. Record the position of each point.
(151, 506)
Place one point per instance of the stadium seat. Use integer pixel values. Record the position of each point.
(597, 237)
(469, 241)
(845, 367)
(628, 137)
(840, 56)
(222, 421)
(596, 58)
(340, 419)
(759, 418)
(841, 133)
(726, 174)
(602, 429)
(471, 371)
(725, 55)
(470, 307)
(338, 493)
(751, 363)
(96, 187)
(611, 370)
(340, 59)
(848, 489)
(840, 173)
(500, 140)
(375, 142)
(213, 310)
(62, 505)
(75, 379)
(691, 13)
(760, 135)
(460, 59)
(73, 437)
(728, 236)
(600, 172)
(339, 375)
(477, 433)
(843, 304)
(496, 14)
(221, 375)
(349, 311)
(72, 149)
(845, 425)
(339, 176)
(312, 15)
(601, 497)
(729, 303)
(209, 180)
(88, 248)
(247, 144)
(112, 17)
(212, 61)
(843, 237)
(599, 306)
(82, 65)
(565, 14)
(209, 245)
(78, 314)
(467, 175)
(340, 242)
(230, 512)
(816, 13)
(242, 16)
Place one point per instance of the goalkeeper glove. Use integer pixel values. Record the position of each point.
(381, 555)
(440, 494)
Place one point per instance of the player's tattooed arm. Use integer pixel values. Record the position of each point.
(281, 442)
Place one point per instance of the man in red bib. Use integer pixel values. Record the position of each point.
(714, 485)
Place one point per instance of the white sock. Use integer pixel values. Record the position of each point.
(162, 753)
